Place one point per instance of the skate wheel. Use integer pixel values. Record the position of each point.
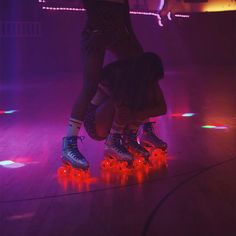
(123, 166)
(105, 165)
(86, 174)
(139, 163)
(156, 153)
(147, 147)
(62, 171)
(76, 173)
(158, 159)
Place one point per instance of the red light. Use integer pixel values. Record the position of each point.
(176, 115)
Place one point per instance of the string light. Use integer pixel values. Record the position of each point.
(182, 16)
(143, 13)
(82, 10)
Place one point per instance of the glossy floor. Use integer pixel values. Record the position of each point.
(195, 195)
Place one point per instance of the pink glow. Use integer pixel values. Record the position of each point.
(215, 126)
(11, 164)
(183, 114)
(23, 216)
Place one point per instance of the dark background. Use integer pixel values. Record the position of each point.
(205, 39)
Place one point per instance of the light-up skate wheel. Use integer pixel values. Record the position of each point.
(158, 158)
(139, 163)
(62, 171)
(123, 166)
(76, 173)
(108, 164)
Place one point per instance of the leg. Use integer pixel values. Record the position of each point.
(126, 46)
(125, 43)
(147, 135)
(98, 120)
(93, 50)
(141, 120)
(115, 143)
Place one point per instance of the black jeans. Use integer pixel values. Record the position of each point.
(119, 38)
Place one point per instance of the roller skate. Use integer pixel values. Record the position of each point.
(75, 164)
(156, 147)
(139, 152)
(117, 157)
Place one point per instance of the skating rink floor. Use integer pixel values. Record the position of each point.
(194, 196)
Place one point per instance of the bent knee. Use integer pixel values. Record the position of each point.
(160, 110)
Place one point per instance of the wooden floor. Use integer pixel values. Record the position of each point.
(195, 195)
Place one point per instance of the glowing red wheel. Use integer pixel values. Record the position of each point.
(138, 163)
(62, 171)
(68, 169)
(123, 166)
(106, 164)
(156, 153)
(79, 174)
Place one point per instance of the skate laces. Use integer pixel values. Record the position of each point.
(132, 140)
(148, 127)
(74, 152)
(117, 143)
(81, 138)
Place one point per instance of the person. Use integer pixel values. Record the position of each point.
(108, 27)
(127, 95)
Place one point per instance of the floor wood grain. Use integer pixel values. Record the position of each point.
(195, 195)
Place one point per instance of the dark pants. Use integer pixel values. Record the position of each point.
(121, 41)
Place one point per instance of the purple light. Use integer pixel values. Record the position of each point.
(10, 111)
(221, 127)
(7, 112)
(214, 127)
(6, 162)
(161, 5)
(11, 164)
(23, 216)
